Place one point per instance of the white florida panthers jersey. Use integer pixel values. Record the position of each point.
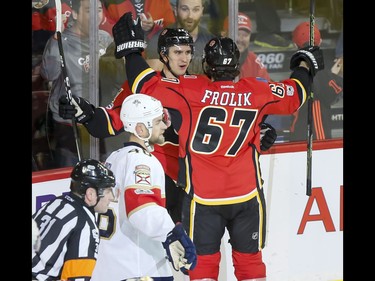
(133, 229)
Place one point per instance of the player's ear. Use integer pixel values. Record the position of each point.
(141, 130)
(164, 57)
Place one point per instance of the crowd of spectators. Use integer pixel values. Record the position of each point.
(202, 18)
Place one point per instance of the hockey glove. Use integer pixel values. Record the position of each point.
(180, 249)
(268, 136)
(312, 55)
(78, 107)
(128, 36)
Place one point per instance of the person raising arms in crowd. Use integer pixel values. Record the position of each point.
(69, 236)
(137, 233)
(218, 124)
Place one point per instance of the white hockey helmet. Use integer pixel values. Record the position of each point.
(140, 108)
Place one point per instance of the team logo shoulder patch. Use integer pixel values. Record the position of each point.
(142, 175)
(289, 91)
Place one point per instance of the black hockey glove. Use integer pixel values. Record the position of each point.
(312, 55)
(268, 136)
(79, 108)
(128, 36)
(180, 249)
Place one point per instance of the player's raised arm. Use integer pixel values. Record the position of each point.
(129, 40)
(305, 63)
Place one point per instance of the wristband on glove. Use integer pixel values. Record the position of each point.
(77, 107)
(268, 136)
(313, 55)
(128, 36)
(180, 249)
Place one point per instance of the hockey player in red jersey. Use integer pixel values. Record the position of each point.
(102, 122)
(218, 124)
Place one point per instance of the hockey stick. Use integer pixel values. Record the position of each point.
(310, 100)
(65, 74)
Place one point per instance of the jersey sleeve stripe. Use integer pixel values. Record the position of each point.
(78, 268)
(303, 96)
(136, 85)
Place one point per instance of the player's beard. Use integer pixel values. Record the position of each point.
(157, 140)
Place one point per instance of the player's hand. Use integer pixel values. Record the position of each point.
(180, 249)
(128, 36)
(77, 107)
(268, 136)
(312, 55)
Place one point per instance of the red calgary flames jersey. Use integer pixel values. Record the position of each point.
(218, 129)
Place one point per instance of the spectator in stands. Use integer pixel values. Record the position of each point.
(269, 26)
(327, 88)
(154, 14)
(76, 46)
(69, 236)
(188, 16)
(250, 64)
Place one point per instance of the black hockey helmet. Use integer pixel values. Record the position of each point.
(221, 58)
(173, 36)
(91, 173)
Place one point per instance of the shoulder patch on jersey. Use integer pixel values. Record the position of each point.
(142, 174)
(170, 80)
(289, 90)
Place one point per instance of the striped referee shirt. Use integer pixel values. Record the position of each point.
(69, 240)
